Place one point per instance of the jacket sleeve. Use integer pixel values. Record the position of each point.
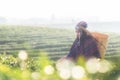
(72, 51)
(97, 52)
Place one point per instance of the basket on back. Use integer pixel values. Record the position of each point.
(102, 40)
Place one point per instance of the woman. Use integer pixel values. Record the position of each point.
(84, 45)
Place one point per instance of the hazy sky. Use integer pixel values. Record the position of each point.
(104, 10)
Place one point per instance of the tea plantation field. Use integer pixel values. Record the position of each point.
(55, 42)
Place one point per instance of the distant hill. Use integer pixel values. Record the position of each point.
(3, 20)
(63, 23)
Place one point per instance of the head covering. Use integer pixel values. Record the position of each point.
(82, 24)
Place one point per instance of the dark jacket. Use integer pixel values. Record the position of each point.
(87, 48)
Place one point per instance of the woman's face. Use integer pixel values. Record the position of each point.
(78, 34)
(78, 31)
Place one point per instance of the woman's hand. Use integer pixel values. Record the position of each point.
(61, 59)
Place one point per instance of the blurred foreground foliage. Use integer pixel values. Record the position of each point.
(42, 68)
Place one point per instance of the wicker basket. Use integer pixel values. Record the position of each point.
(102, 40)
